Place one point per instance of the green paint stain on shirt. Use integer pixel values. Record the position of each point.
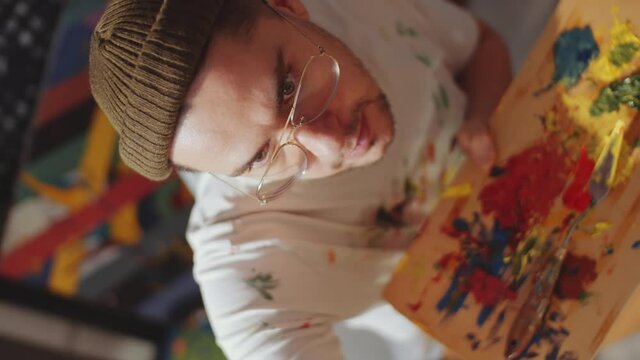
(444, 96)
(424, 59)
(625, 92)
(436, 100)
(440, 98)
(264, 283)
(623, 53)
(405, 30)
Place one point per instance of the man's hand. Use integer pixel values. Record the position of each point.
(476, 141)
(484, 79)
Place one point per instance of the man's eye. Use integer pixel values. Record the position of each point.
(289, 87)
(260, 158)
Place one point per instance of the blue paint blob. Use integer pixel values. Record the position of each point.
(572, 52)
(484, 315)
(553, 355)
(496, 171)
(636, 245)
(497, 245)
(461, 224)
(453, 299)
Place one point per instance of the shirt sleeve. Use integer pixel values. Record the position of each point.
(452, 28)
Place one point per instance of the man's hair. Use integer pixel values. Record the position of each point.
(239, 17)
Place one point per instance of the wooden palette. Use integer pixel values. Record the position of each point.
(466, 276)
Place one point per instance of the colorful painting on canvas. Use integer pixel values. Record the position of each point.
(82, 225)
(568, 131)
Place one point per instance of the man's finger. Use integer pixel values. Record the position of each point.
(475, 140)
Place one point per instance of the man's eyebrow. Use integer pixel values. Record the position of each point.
(279, 77)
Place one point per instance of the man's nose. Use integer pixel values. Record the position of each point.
(323, 137)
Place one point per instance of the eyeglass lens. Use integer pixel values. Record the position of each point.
(316, 89)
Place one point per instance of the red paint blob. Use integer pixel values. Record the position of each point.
(414, 307)
(577, 197)
(487, 289)
(576, 274)
(522, 197)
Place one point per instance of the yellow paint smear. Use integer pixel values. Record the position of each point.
(600, 227)
(94, 167)
(74, 198)
(613, 147)
(602, 70)
(458, 191)
(65, 272)
(402, 264)
(578, 104)
(124, 227)
(578, 101)
(98, 152)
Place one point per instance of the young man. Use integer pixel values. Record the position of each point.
(314, 136)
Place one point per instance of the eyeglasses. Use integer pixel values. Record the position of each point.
(315, 91)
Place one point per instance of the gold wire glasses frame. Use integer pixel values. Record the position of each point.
(321, 74)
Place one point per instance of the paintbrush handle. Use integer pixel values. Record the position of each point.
(533, 310)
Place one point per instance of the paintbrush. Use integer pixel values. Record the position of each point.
(530, 316)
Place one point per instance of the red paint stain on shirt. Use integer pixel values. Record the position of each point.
(431, 152)
(331, 256)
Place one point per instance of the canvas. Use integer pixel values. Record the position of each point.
(567, 132)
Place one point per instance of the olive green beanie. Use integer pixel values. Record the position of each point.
(144, 55)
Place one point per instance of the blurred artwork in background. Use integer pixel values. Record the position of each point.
(568, 132)
(25, 36)
(82, 224)
(193, 340)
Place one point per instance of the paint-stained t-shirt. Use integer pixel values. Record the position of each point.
(276, 278)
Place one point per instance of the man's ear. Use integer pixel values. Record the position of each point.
(291, 7)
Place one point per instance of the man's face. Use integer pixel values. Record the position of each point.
(233, 118)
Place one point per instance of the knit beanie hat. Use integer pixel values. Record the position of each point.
(144, 55)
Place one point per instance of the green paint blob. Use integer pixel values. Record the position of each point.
(623, 53)
(625, 92)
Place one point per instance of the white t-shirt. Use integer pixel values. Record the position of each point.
(276, 278)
